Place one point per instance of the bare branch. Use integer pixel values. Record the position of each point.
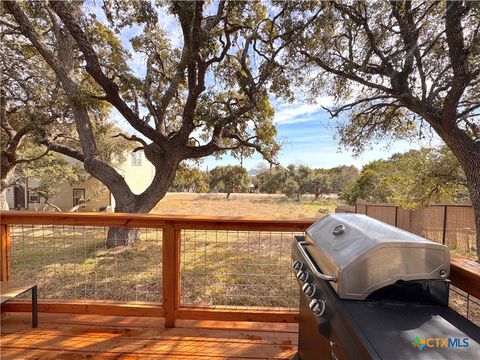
(131, 138)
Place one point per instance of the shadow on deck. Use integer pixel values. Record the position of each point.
(72, 336)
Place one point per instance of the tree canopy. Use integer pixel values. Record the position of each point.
(204, 96)
(271, 180)
(229, 179)
(29, 102)
(297, 180)
(36, 117)
(190, 179)
(399, 68)
(412, 179)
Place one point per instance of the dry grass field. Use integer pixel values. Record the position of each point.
(243, 205)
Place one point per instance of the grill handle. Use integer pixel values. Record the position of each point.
(300, 246)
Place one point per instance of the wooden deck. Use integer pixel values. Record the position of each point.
(74, 336)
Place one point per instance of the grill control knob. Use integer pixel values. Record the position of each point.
(302, 276)
(309, 289)
(317, 307)
(297, 265)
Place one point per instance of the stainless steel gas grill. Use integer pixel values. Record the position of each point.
(372, 291)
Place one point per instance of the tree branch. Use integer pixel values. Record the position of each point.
(94, 69)
(131, 138)
(65, 150)
(458, 58)
(19, 161)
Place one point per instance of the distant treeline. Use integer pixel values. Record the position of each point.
(411, 179)
(293, 180)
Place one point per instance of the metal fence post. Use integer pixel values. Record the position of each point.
(444, 230)
(396, 216)
(171, 273)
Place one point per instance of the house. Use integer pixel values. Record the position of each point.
(137, 171)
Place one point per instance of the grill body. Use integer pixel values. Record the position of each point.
(384, 322)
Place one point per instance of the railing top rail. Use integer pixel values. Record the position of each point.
(155, 220)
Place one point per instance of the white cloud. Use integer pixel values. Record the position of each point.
(299, 112)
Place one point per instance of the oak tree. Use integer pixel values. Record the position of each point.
(36, 116)
(29, 101)
(229, 179)
(206, 96)
(191, 179)
(271, 180)
(399, 68)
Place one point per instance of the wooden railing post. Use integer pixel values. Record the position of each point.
(5, 251)
(171, 273)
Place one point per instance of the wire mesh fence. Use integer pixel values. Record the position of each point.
(237, 268)
(465, 304)
(75, 263)
(217, 267)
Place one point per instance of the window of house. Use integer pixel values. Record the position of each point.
(78, 196)
(137, 158)
(33, 197)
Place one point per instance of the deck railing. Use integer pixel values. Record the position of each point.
(180, 267)
(185, 267)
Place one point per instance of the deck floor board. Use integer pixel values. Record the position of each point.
(70, 336)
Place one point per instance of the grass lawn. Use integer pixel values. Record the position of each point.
(72, 263)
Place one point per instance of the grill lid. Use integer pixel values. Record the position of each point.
(364, 254)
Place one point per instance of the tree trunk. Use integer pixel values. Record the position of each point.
(6, 180)
(142, 203)
(3, 200)
(118, 236)
(472, 172)
(121, 236)
(467, 152)
(228, 195)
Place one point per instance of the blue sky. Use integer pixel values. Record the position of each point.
(310, 138)
(307, 133)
